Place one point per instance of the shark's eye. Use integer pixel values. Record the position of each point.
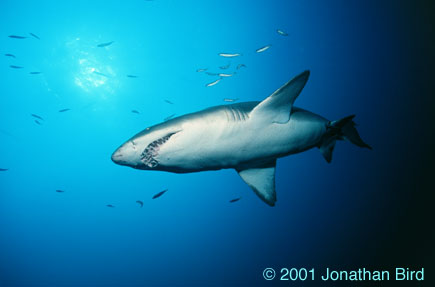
(152, 150)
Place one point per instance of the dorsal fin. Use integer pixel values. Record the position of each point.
(277, 107)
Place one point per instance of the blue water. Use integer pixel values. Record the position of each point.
(326, 214)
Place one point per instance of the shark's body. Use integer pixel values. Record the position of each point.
(248, 137)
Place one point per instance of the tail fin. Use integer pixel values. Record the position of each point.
(343, 129)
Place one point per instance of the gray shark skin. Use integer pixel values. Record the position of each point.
(248, 137)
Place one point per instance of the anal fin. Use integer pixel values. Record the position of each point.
(261, 179)
(327, 148)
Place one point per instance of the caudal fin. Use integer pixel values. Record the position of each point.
(343, 129)
(349, 132)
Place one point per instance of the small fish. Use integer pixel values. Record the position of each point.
(229, 55)
(213, 83)
(159, 194)
(225, 75)
(140, 202)
(105, 44)
(169, 117)
(36, 116)
(34, 73)
(34, 36)
(15, 67)
(241, 66)
(225, 67)
(201, 70)
(6, 133)
(281, 32)
(262, 49)
(135, 112)
(230, 100)
(4, 169)
(109, 205)
(10, 55)
(132, 76)
(169, 102)
(16, 37)
(212, 74)
(59, 190)
(64, 110)
(101, 74)
(36, 121)
(235, 199)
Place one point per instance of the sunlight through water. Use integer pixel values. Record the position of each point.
(92, 70)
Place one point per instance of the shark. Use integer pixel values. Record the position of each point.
(247, 136)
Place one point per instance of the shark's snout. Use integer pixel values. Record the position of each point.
(126, 154)
(118, 156)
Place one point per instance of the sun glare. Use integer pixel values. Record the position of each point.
(91, 68)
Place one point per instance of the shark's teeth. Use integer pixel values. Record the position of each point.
(152, 150)
(152, 163)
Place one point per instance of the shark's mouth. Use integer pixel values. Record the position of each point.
(152, 150)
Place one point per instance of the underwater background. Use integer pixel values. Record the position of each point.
(368, 208)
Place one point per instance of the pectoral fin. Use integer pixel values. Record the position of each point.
(262, 180)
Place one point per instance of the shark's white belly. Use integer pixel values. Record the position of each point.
(215, 142)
